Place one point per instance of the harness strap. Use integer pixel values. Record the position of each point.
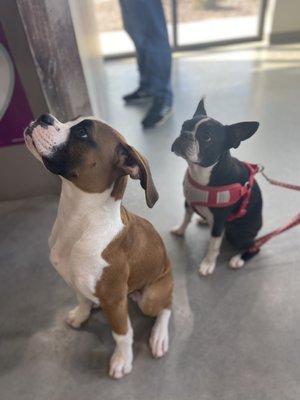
(225, 196)
(218, 196)
(253, 169)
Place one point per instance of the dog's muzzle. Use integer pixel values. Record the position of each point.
(177, 147)
(181, 145)
(44, 135)
(45, 139)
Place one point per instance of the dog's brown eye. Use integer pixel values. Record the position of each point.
(207, 137)
(82, 134)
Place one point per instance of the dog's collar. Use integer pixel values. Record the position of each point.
(227, 195)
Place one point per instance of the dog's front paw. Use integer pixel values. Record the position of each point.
(77, 316)
(236, 262)
(159, 341)
(178, 231)
(120, 363)
(206, 267)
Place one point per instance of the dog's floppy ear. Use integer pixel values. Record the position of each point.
(132, 163)
(236, 133)
(200, 109)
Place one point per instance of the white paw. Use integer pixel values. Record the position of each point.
(120, 363)
(206, 267)
(236, 262)
(76, 317)
(177, 231)
(159, 341)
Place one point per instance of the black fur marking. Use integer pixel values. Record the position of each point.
(240, 232)
(247, 255)
(200, 108)
(66, 157)
(240, 131)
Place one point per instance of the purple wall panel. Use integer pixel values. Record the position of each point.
(15, 112)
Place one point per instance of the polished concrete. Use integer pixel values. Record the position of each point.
(234, 335)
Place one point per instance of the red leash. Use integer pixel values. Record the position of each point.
(277, 183)
(290, 224)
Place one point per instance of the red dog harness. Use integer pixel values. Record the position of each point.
(224, 196)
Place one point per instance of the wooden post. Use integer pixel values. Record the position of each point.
(50, 34)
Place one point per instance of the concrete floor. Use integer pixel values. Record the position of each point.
(234, 335)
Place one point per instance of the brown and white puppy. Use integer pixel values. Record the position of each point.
(99, 248)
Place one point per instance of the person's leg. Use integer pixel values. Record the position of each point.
(158, 51)
(145, 22)
(132, 10)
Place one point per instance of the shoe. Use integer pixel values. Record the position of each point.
(158, 113)
(139, 96)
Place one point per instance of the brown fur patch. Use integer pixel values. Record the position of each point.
(137, 261)
(95, 169)
(100, 166)
(119, 187)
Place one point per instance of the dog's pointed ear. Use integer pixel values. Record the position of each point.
(236, 133)
(132, 163)
(200, 109)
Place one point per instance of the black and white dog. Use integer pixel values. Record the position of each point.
(205, 144)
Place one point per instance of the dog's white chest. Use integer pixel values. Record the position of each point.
(83, 229)
(193, 195)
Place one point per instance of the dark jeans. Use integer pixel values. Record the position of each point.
(144, 21)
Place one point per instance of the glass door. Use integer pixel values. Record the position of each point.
(192, 24)
(200, 23)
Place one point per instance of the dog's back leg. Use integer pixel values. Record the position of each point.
(155, 301)
(243, 242)
(180, 230)
(238, 261)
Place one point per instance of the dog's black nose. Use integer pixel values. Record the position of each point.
(46, 119)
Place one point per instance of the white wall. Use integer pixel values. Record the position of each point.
(285, 20)
(88, 42)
